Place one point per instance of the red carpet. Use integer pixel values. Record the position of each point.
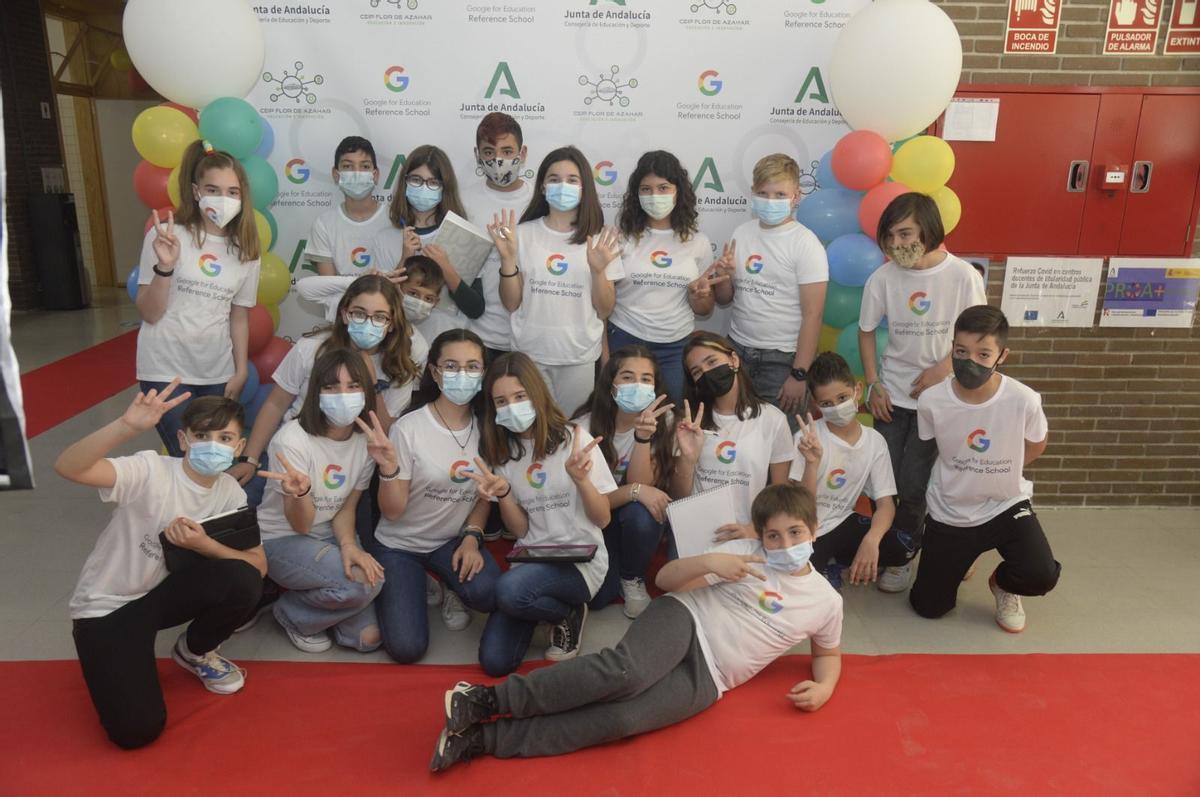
(912, 724)
(67, 387)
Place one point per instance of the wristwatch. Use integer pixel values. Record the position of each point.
(241, 459)
(799, 374)
(471, 531)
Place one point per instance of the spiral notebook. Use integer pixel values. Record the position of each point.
(695, 519)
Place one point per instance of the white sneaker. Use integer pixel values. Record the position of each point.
(309, 643)
(454, 614)
(567, 635)
(896, 579)
(434, 593)
(1010, 615)
(217, 673)
(635, 595)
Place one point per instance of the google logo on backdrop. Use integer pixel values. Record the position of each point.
(296, 171)
(395, 79)
(604, 173)
(708, 84)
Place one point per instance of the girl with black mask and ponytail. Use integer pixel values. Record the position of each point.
(727, 434)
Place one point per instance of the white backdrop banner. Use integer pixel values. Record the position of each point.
(718, 83)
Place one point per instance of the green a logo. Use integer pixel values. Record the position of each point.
(397, 167)
(818, 92)
(708, 167)
(298, 256)
(510, 85)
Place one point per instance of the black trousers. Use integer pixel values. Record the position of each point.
(841, 544)
(116, 651)
(1029, 567)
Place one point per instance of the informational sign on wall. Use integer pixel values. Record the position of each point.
(1133, 26)
(1183, 33)
(1051, 291)
(1032, 26)
(1150, 292)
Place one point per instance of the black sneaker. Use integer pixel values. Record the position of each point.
(467, 705)
(452, 748)
(567, 635)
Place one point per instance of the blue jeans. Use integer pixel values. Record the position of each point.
(912, 462)
(631, 538)
(403, 616)
(669, 356)
(526, 595)
(769, 369)
(169, 425)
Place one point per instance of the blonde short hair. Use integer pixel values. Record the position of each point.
(776, 167)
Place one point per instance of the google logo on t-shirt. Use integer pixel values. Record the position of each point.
(660, 259)
(557, 264)
(535, 477)
(604, 173)
(359, 257)
(726, 451)
(977, 442)
(754, 264)
(458, 470)
(622, 468)
(918, 303)
(334, 478)
(395, 79)
(836, 479)
(708, 86)
(209, 266)
(769, 602)
(296, 171)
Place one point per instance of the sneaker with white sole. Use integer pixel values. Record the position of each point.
(566, 636)
(1010, 615)
(896, 579)
(469, 704)
(454, 614)
(308, 643)
(633, 592)
(217, 673)
(453, 748)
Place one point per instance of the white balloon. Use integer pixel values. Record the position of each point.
(194, 52)
(895, 67)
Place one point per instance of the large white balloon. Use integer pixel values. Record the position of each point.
(194, 52)
(895, 66)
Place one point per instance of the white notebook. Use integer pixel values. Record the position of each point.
(695, 519)
(466, 245)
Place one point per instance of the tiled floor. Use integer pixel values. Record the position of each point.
(1125, 572)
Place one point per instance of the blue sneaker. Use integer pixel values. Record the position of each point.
(217, 673)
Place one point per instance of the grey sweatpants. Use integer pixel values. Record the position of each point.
(654, 677)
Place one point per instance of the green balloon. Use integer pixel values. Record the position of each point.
(847, 346)
(264, 185)
(231, 125)
(842, 305)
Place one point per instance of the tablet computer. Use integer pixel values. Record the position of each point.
(552, 553)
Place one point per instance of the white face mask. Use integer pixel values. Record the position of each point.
(416, 309)
(220, 210)
(356, 184)
(841, 414)
(657, 206)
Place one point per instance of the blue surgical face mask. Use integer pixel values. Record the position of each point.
(460, 387)
(771, 211)
(208, 457)
(517, 417)
(366, 335)
(634, 396)
(356, 184)
(422, 197)
(789, 560)
(341, 409)
(563, 196)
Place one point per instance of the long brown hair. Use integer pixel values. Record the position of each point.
(428, 391)
(324, 374)
(684, 218)
(603, 408)
(395, 349)
(589, 216)
(497, 444)
(241, 234)
(749, 405)
(426, 155)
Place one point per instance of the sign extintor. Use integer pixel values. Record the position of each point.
(1183, 34)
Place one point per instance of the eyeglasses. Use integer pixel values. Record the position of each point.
(416, 181)
(378, 319)
(474, 368)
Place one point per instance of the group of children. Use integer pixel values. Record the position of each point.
(563, 397)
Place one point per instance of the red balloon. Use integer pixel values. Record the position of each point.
(191, 113)
(861, 160)
(875, 202)
(267, 360)
(262, 328)
(162, 216)
(150, 184)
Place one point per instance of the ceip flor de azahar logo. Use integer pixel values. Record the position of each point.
(919, 303)
(209, 266)
(836, 479)
(660, 259)
(977, 441)
(557, 265)
(769, 602)
(293, 85)
(535, 476)
(333, 477)
(459, 470)
(708, 84)
(604, 173)
(395, 79)
(754, 264)
(296, 171)
(726, 451)
(359, 258)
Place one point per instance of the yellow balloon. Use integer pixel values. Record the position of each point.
(828, 339)
(273, 311)
(274, 281)
(160, 135)
(866, 419)
(924, 164)
(173, 186)
(948, 206)
(264, 231)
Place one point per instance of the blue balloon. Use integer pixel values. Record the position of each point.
(852, 258)
(268, 140)
(251, 387)
(131, 284)
(824, 174)
(830, 213)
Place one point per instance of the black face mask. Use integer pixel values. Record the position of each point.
(716, 382)
(969, 373)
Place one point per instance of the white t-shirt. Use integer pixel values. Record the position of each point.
(482, 204)
(551, 500)
(337, 238)
(192, 339)
(741, 453)
(440, 495)
(981, 454)
(294, 369)
(921, 307)
(745, 625)
(773, 265)
(150, 491)
(556, 323)
(446, 315)
(652, 300)
(622, 443)
(336, 467)
(846, 472)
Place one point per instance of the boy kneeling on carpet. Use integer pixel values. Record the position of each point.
(125, 594)
(723, 621)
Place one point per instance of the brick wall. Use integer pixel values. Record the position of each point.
(31, 142)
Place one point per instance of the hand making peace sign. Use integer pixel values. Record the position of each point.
(488, 484)
(647, 421)
(379, 445)
(689, 435)
(809, 445)
(166, 244)
(148, 408)
(294, 483)
(579, 464)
